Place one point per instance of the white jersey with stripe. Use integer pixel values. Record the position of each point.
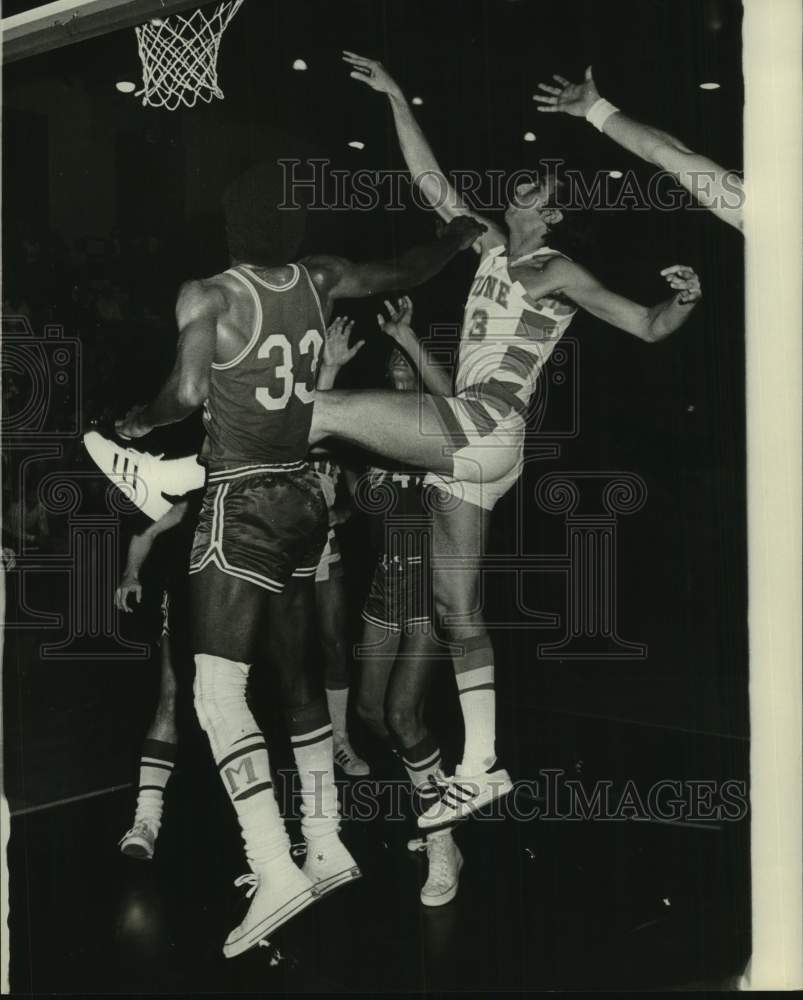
(507, 337)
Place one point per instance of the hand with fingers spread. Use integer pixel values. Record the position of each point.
(336, 349)
(372, 72)
(571, 98)
(128, 585)
(685, 281)
(398, 327)
(131, 425)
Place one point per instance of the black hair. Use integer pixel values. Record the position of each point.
(260, 228)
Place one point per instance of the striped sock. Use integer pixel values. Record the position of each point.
(241, 755)
(421, 762)
(311, 738)
(474, 672)
(155, 767)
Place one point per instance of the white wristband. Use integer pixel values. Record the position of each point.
(599, 112)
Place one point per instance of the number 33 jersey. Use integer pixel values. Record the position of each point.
(507, 337)
(259, 407)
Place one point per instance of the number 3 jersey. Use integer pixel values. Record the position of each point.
(507, 337)
(259, 407)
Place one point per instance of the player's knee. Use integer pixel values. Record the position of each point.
(403, 719)
(218, 689)
(372, 715)
(453, 596)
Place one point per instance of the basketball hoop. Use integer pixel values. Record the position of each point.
(179, 57)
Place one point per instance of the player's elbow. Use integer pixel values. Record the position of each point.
(192, 392)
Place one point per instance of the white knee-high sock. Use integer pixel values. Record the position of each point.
(241, 755)
(311, 737)
(474, 672)
(155, 767)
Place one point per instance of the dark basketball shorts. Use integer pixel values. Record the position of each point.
(261, 524)
(400, 598)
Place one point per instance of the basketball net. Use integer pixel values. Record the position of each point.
(179, 57)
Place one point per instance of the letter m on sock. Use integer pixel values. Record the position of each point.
(239, 776)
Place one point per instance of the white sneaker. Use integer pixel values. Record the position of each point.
(142, 477)
(429, 794)
(140, 841)
(445, 864)
(463, 795)
(347, 759)
(280, 891)
(329, 864)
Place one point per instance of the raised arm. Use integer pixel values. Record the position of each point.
(648, 323)
(187, 386)
(418, 156)
(338, 278)
(336, 351)
(436, 381)
(139, 549)
(711, 184)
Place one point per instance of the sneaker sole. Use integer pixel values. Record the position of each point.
(498, 792)
(332, 882)
(272, 922)
(450, 894)
(353, 774)
(137, 851)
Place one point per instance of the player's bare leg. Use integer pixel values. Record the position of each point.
(459, 537)
(156, 763)
(227, 614)
(332, 617)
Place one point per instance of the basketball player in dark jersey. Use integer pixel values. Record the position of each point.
(399, 649)
(248, 348)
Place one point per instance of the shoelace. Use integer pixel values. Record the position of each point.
(249, 879)
(142, 827)
(439, 870)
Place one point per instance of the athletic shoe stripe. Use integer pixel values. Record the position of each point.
(263, 786)
(241, 753)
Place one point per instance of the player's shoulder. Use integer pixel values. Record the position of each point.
(206, 294)
(325, 270)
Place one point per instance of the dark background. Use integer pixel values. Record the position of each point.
(108, 206)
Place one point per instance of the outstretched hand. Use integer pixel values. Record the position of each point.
(684, 280)
(571, 98)
(372, 72)
(131, 426)
(336, 350)
(129, 585)
(398, 327)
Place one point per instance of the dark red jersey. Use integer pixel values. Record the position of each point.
(259, 407)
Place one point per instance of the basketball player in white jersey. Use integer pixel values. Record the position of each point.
(521, 302)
